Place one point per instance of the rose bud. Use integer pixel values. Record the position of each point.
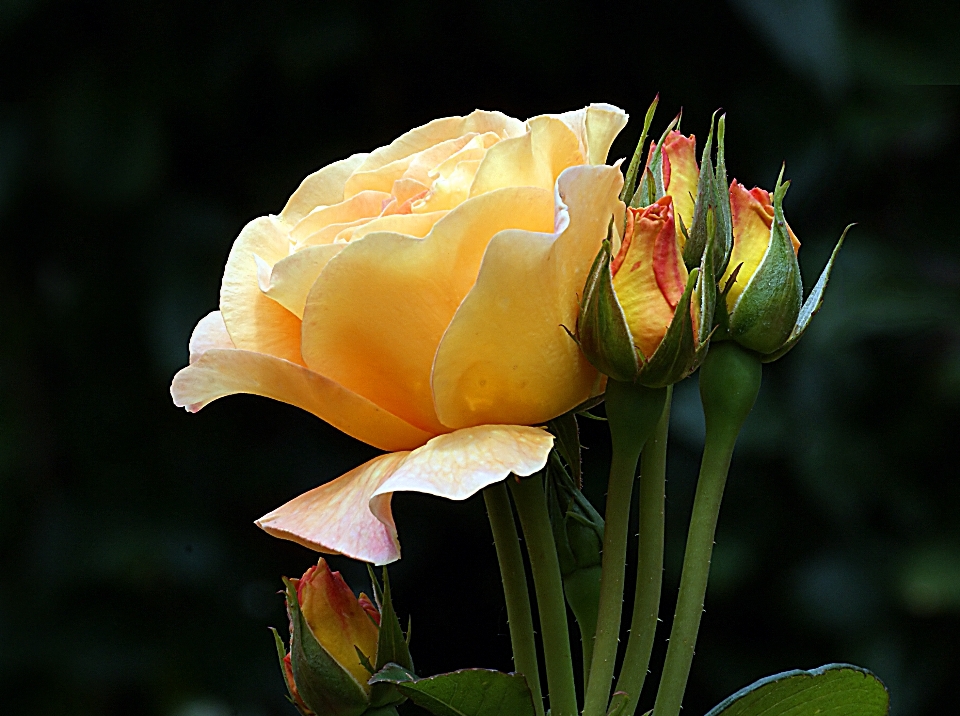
(761, 288)
(334, 643)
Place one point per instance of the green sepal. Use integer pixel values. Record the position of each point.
(811, 306)
(322, 683)
(637, 161)
(282, 653)
(618, 702)
(567, 433)
(831, 689)
(724, 218)
(698, 235)
(392, 647)
(677, 355)
(470, 692)
(651, 186)
(766, 311)
(602, 330)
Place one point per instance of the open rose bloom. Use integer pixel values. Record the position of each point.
(415, 298)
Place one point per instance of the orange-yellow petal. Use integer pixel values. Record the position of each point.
(322, 188)
(336, 517)
(210, 333)
(217, 373)
(680, 177)
(648, 273)
(535, 159)
(255, 322)
(417, 225)
(375, 318)
(337, 620)
(752, 214)
(505, 357)
(596, 126)
(364, 205)
(352, 514)
(290, 280)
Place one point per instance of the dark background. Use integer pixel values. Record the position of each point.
(136, 139)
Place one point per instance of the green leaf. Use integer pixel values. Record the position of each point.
(630, 182)
(470, 692)
(602, 329)
(835, 689)
(677, 355)
(324, 686)
(767, 309)
(567, 433)
(811, 306)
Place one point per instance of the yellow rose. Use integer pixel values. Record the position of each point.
(415, 298)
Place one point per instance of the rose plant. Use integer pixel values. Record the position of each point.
(457, 299)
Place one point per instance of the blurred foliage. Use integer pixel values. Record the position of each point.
(136, 139)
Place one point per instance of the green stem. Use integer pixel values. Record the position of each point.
(646, 603)
(729, 383)
(519, 617)
(531, 504)
(633, 412)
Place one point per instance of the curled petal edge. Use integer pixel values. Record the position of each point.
(352, 514)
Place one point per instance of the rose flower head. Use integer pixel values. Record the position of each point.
(761, 299)
(414, 298)
(336, 645)
(648, 303)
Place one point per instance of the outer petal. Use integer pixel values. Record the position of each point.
(322, 188)
(374, 320)
(336, 517)
(505, 357)
(364, 205)
(649, 275)
(596, 126)
(219, 372)
(535, 159)
(680, 176)
(255, 322)
(351, 515)
(752, 214)
(210, 333)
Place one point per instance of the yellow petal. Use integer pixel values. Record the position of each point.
(337, 620)
(210, 333)
(534, 159)
(217, 373)
(336, 518)
(462, 463)
(440, 130)
(376, 316)
(418, 225)
(291, 279)
(648, 274)
(322, 188)
(352, 514)
(505, 357)
(596, 127)
(415, 166)
(680, 177)
(364, 205)
(255, 322)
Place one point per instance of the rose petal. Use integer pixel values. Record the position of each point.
(505, 357)
(417, 225)
(210, 333)
(374, 320)
(218, 373)
(336, 518)
(364, 205)
(322, 188)
(535, 159)
(649, 274)
(680, 176)
(255, 322)
(291, 279)
(352, 514)
(596, 126)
